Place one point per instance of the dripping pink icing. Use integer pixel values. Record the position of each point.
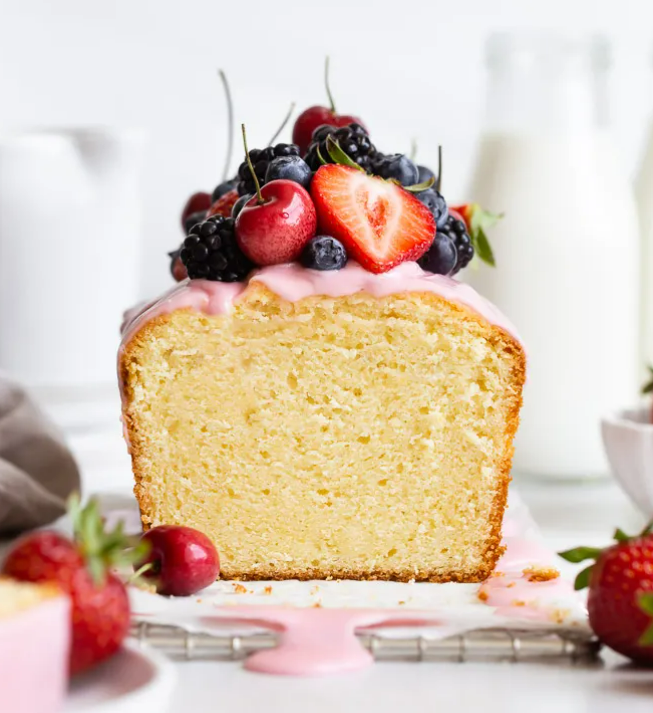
(293, 283)
(316, 641)
(514, 595)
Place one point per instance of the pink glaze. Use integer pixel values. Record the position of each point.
(34, 658)
(293, 283)
(315, 641)
(514, 595)
(521, 553)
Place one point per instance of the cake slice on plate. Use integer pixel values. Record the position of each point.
(319, 419)
(34, 643)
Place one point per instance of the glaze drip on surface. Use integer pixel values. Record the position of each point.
(292, 282)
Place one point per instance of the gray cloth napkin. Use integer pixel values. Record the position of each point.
(37, 471)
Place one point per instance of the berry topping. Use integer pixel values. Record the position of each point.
(260, 159)
(396, 167)
(425, 174)
(82, 569)
(314, 116)
(441, 258)
(289, 168)
(181, 560)
(275, 227)
(177, 268)
(222, 188)
(324, 253)
(211, 252)
(239, 204)
(380, 224)
(197, 202)
(194, 219)
(477, 222)
(224, 205)
(352, 139)
(435, 202)
(620, 600)
(456, 229)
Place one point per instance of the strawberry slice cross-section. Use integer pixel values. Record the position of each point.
(380, 224)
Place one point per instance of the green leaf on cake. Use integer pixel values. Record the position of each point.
(483, 247)
(648, 387)
(419, 187)
(339, 156)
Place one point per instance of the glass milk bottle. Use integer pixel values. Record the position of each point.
(644, 196)
(567, 249)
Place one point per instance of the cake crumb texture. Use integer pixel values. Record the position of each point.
(352, 437)
(16, 597)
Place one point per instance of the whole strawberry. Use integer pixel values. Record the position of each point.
(100, 605)
(620, 585)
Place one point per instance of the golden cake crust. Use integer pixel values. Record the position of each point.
(493, 548)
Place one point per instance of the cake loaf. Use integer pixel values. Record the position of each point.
(326, 424)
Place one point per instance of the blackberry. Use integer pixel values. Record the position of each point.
(352, 139)
(210, 252)
(260, 159)
(457, 231)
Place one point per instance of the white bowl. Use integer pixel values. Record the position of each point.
(628, 441)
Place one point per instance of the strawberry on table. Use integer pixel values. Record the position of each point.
(620, 600)
(380, 224)
(81, 568)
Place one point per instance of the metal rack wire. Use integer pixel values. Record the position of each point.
(500, 645)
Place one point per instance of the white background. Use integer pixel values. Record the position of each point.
(409, 69)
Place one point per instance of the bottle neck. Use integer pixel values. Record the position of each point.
(546, 88)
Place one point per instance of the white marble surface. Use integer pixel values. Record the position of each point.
(567, 515)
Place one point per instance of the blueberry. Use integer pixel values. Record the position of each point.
(441, 257)
(239, 205)
(194, 219)
(436, 204)
(290, 168)
(398, 167)
(223, 188)
(324, 253)
(425, 174)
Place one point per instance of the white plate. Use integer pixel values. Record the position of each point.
(135, 680)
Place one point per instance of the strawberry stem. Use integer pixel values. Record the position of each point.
(283, 124)
(259, 196)
(230, 124)
(326, 84)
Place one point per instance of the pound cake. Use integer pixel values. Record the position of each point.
(34, 642)
(318, 395)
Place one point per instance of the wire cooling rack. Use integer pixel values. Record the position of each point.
(498, 645)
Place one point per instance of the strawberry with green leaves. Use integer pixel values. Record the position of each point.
(620, 599)
(478, 221)
(82, 569)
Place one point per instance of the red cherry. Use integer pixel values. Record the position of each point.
(197, 202)
(313, 117)
(276, 231)
(183, 560)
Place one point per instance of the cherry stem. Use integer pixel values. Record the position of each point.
(326, 84)
(259, 196)
(283, 124)
(230, 124)
(439, 169)
(413, 149)
(147, 567)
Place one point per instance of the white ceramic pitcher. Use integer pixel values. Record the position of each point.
(69, 255)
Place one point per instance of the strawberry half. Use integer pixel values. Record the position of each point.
(379, 223)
